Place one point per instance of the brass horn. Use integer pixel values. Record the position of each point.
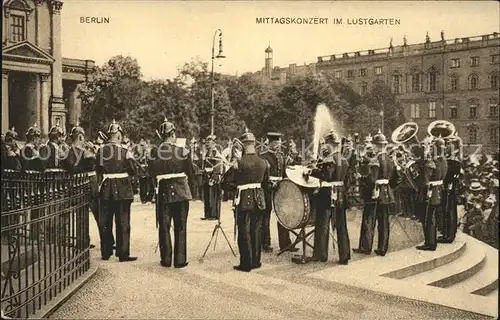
(441, 128)
(406, 134)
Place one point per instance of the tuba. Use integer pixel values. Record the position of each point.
(441, 128)
(406, 136)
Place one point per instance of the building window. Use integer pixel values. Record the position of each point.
(432, 81)
(362, 72)
(494, 81)
(454, 83)
(473, 82)
(378, 71)
(350, 73)
(432, 109)
(455, 63)
(416, 83)
(414, 111)
(474, 61)
(338, 74)
(493, 109)
(473, 135)
(494, 135)
(453, 112)
(17, 29)
(397, 84)
(495, 58)
(473, 110)
(363, 88)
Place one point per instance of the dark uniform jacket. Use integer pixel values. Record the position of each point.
(79, 160)
(51, 155)
(384, 168)
(250, 169)
(333, 168)
(113, 158)
(213, 167)
(170, 159)
(438, 174)
(452, 173)
(30, 158)
(366, 182)
(277, 166)
(10, 158)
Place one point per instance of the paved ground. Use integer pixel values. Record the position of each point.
(210, 289)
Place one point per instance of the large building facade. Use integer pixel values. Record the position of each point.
(457, 80)
(39, 86)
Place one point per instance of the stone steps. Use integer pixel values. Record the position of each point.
(461, 275)
(484, 281)
(462, 268)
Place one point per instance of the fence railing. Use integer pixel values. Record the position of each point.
(44, 238)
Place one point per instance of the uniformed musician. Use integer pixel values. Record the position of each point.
(51, 153)
(12, 160)
(146, 186)
(450, 204)
(81, 159)
(431, 194)
(380, 177)
(213, 168)
(331, 200)
(249, 174)
(276, 159)
(171, 167)
(114, 165)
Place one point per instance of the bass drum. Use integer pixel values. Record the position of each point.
(293, 206)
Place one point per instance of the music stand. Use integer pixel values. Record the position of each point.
(215, 233)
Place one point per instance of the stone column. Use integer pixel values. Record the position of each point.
(75, 104)
(57, 87)
(33, 100)
(57, 102)
(38, 4)
(5, 101)
(44, 104)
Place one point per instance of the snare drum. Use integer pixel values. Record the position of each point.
(293, 206)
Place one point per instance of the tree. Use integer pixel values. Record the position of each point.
(164, 99)
(381, 98)
(112, 93)
(199, 94)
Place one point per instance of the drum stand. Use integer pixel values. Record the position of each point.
(215, 233)
(301, 236)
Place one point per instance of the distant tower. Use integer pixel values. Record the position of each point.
(269, 62)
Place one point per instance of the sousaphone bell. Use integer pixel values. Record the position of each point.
(441, 128)
(406, 135)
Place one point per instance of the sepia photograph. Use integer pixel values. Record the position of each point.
(245, 159)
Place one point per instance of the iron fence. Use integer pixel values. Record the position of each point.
(44, 237)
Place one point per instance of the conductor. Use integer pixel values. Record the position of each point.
(172, 169)
(251, 174)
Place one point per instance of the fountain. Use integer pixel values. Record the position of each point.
(323, 124)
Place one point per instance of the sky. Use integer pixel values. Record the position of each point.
(163, 35)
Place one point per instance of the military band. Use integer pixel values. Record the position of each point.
(426, 171)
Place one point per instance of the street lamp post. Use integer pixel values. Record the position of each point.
(382, 115)
(219, 56)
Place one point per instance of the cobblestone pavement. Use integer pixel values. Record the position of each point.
(210, 289)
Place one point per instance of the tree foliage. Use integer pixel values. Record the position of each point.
(117, 91)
